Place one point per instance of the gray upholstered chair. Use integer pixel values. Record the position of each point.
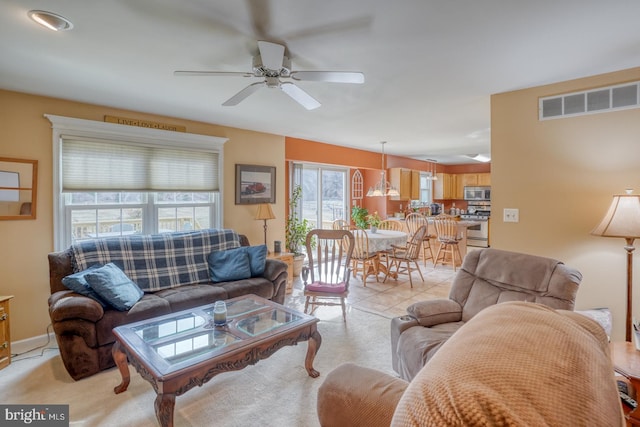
(487, 277)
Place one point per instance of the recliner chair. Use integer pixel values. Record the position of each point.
(487, 277)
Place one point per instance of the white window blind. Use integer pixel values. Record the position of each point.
(94, 165)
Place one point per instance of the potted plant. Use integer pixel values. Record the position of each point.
(359, 217)
(296, 231)
(374, 221)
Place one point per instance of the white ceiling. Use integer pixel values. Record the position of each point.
(430, 65)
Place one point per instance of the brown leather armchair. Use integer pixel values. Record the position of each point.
(487, 277)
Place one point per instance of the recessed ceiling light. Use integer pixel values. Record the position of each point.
(50, 20)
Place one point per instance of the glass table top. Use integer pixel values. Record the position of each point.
(190, 335)
(266, 321)
(237, 308)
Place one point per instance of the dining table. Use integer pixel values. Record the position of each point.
(381, 241)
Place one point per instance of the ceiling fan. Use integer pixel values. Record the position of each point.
(273, 65)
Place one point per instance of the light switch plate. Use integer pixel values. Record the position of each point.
(511, 215)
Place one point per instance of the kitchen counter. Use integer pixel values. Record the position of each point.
(463, 224)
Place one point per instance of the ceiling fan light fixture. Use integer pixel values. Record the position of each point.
(272, 65)
(50, 20)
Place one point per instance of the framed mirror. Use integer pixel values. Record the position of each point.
(18, 188)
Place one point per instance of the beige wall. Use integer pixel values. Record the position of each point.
(561, 174)
(24, 244)
(246, 147)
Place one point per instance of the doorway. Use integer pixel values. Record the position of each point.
(324, 193)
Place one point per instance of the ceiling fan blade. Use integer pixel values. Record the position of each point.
(329, 76)
(244, 93)
(212, 73)
(272, 55)
(300, 96)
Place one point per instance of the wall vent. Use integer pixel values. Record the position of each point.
(619, 97)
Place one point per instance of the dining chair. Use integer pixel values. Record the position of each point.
(449, 238)
(340, 224)
(329, 253)
(363, 259)
(403, 258)
(390, 224)
(414, 221)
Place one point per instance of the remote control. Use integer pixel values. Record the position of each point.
(628, 400)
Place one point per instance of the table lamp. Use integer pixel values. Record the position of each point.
(264, 213)
(623, 220)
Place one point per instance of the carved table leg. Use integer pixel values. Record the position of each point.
(315, 340)
(164, 409)
(120, 358)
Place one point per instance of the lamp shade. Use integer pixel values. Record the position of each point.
(265, 212)
(622, 219)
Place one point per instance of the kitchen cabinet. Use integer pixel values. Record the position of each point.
(484, 179)
(469, 179)
(407, 182)
(459, 181)
(476, 179)
(443, 188)
(451, 186)
(415, 185)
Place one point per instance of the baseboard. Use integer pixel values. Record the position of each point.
(33, 343)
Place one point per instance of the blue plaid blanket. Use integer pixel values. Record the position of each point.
(158, 261)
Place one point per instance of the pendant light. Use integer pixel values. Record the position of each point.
(434, 174)
(432, 170)
(383, 188)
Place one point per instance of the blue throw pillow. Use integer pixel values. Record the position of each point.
(78, 284)
(257, 259)
(114, 286)
(229, 265)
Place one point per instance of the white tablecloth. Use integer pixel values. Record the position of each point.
(382, 240)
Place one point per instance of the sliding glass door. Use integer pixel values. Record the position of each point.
(325, 193)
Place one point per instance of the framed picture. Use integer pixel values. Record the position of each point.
(18, 182)
(255, 184)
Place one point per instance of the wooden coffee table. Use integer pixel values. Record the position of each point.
(626, 362)
(179, 351)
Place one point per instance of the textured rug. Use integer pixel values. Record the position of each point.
(274, 392)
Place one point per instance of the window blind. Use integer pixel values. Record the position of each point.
(91, 165)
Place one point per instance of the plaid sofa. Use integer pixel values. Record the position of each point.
(170, 268)
(159, 261)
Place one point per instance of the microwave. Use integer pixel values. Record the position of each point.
(477, 193)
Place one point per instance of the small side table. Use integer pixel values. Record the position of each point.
(626, 362)
(287, 258)
(5, 332)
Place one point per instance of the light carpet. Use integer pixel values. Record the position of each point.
(275, 392)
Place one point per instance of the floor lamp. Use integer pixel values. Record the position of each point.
(264, 213)
(623, 220)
